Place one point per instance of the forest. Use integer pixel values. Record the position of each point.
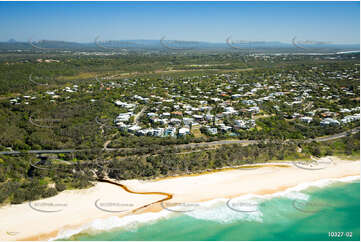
(21, 180)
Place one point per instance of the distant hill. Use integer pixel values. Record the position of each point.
(170, 45)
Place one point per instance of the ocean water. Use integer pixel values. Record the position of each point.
(323, 210)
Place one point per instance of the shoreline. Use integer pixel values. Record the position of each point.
(156, 211)
(224, 184)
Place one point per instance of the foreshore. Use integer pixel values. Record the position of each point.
(44, 219)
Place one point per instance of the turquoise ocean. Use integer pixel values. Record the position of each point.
(322, 210)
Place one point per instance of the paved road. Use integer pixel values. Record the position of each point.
(336, 136)
(137, 116)
(248, 142)
(192, 145)
(39, 152)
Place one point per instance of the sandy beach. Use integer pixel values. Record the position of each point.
(44, 219)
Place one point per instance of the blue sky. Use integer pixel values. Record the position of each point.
(338, 22)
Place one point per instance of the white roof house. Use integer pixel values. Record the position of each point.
(158, 132)
(203, 102)
(244, 124)
(254, 109)
(306, 119)
(141, 132)
(134, 128)
(175, 121)
(209, 117)
(188, 112)
(212, 131)
(170, 131)
(152, 114)
(183, 131)
(122, 126)
(230, 109)
(198, 117)
(345, 110)
(329, 121)
(350, 118)
(215, 99)
(124, 104)
(225, 128)
(235, 96)
(188, 121)
(166, 114)
(248, 102)
(123, 117)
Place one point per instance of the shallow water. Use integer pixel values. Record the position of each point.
(306, 212)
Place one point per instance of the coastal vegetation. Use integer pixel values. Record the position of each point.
(21, 180)
(272, 105)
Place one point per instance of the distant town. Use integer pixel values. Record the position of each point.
(219, 104)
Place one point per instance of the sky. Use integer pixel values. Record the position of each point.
(336, 22)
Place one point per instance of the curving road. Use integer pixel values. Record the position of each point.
(39, 152)
(192, 145)
(336, 136)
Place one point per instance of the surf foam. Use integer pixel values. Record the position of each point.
(212, 210)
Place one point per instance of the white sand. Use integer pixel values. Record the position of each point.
(233, 183)
(21, 222)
